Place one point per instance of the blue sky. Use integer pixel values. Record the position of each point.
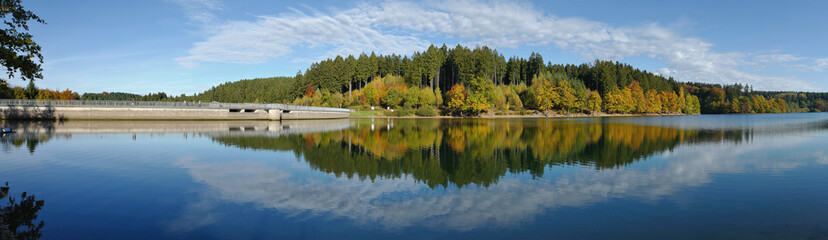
(186, 46)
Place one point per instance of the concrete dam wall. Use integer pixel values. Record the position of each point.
(124, 110)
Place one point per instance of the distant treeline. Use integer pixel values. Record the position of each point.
(125, 96)
(32, 92)
(738, 98)
(260, 90)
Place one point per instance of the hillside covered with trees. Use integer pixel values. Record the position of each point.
(472, 81)
(464, 81)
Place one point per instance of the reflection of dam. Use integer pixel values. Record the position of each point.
(214, 128)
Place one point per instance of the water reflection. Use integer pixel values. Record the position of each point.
(397, 154)
(18, 220)
(480, 152)
(400, 203)
(33, 133)
(443, 174)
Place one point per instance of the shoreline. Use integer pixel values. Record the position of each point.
(510, 116)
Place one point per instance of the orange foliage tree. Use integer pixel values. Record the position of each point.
(456, 98)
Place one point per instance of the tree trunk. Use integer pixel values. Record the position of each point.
(439, 72)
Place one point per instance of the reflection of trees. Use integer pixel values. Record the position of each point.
(20, 215)
(25, 134)
(31, 142)
(462, 152)
(512, 201)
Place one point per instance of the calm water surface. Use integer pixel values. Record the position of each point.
(682, 177)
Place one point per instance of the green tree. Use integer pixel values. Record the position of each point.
(5, 91)
(350, 72)
(393, 98)
(371, 94)
(594, 102)
(426, 97)
(438, 97)
(499, 100)
(568, 101)
(412, 97)
(18, 51)
(476, 103)
(691, 104)
(337, 100)
(514, 101)
(31, 90)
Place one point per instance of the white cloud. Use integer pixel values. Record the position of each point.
(817, 65)
(776, 58)
(274, 36)
(200, 11)
(820, 65)
(402, 27)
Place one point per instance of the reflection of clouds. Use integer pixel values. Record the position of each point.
(195, 215)
(397, 203)
(821, 157)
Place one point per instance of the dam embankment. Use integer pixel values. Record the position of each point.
(131, 110)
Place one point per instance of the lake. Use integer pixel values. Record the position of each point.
(760, 176)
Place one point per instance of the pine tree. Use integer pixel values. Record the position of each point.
(31, 90)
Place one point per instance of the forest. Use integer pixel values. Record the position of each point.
(738, 98)
(161, 96)
(468, 82)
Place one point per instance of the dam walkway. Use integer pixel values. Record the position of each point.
(160, 110)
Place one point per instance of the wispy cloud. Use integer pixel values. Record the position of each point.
(402, 27)
(776, 58)
(820, 65)
(200, 11)
(274, 36)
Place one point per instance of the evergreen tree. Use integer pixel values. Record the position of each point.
(31, 90)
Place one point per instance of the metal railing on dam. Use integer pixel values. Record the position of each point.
(164, 104)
